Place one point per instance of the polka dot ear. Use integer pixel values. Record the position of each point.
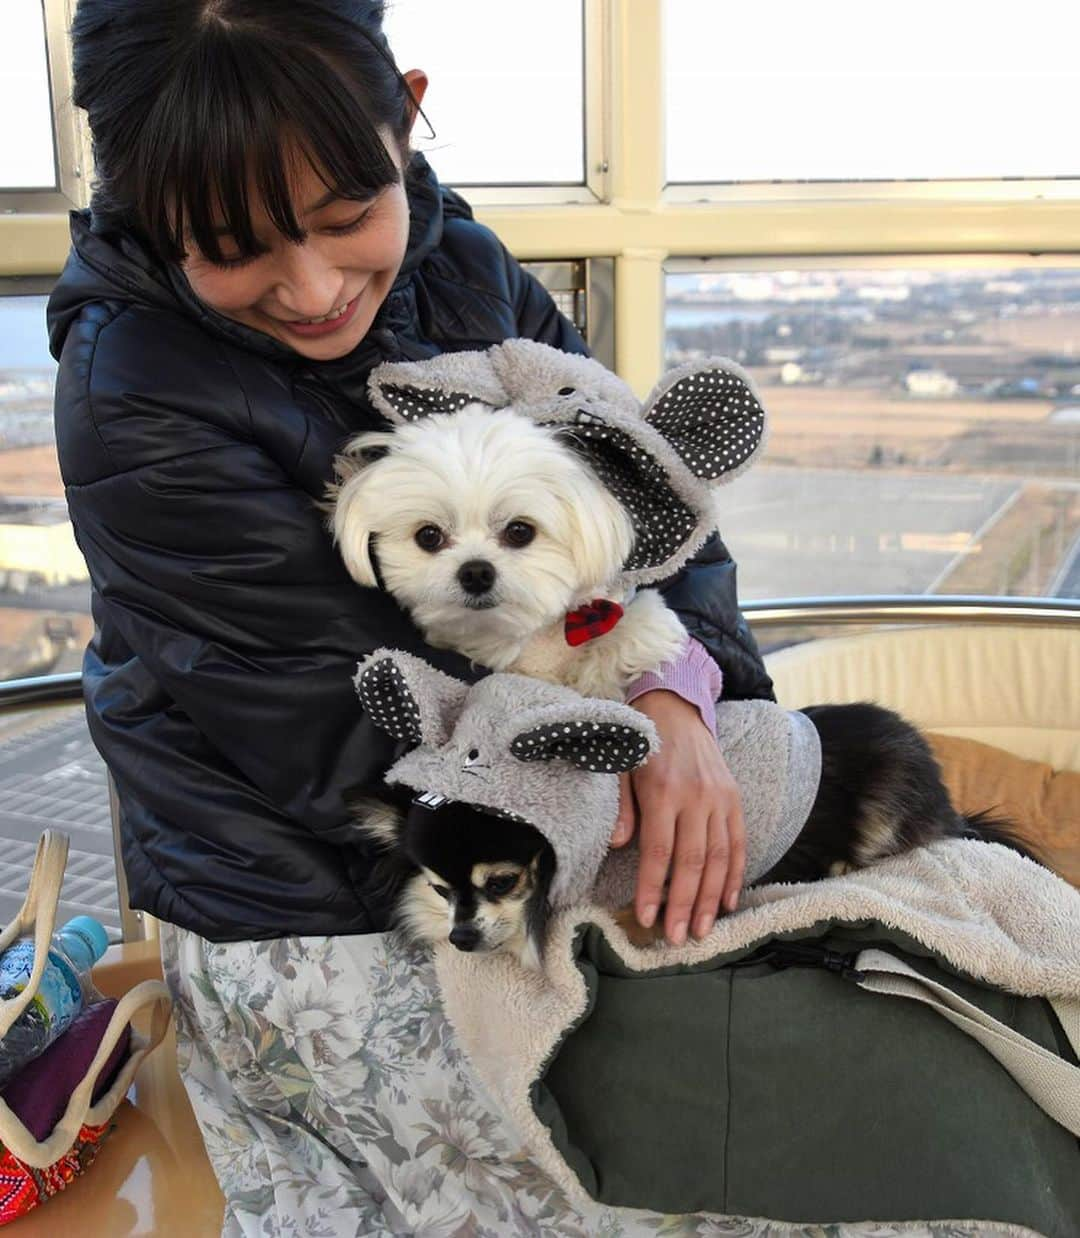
(711, 416)
(409, 698)
(597, 747)
(387, 700)
(411, 403)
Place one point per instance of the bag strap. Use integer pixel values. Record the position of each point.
(1051, 1082)
(150, 995)
(38, 915)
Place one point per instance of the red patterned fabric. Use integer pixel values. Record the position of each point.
(23, 1188)
(591, 620)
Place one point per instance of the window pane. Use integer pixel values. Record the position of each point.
(44, 591)
(505, 95)
(925, 425)
(846, 90)
(26, 148)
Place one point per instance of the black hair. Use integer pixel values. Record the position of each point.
(193, 102)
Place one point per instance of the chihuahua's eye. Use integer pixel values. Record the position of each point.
(518, 533)
(496, 887)
(441, 891)
(430, 538)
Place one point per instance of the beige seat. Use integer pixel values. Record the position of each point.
(152, 1177)
(1016, 686)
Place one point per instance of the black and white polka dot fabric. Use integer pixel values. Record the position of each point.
(388, 702)
(599, 747)
(412, 403)
(662, 521)
(712, 419)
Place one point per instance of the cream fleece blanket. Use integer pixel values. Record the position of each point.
(984, 910)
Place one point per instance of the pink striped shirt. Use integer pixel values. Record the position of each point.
(693, 675)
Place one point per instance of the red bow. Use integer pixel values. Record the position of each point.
(591, 620)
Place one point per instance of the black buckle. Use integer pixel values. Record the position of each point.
(794, 954)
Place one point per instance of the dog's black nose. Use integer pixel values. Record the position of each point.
(465, 936)
(476, 576)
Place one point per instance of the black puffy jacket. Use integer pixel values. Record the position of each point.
(218, 684)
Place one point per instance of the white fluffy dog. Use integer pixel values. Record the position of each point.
(490, 530)
(525, 497)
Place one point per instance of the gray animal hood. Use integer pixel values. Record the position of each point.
(541, 753)
(703, 425)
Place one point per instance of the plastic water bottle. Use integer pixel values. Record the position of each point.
(65, 984)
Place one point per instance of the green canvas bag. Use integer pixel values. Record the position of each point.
(827, 1085)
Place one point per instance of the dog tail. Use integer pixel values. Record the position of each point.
(990, 827)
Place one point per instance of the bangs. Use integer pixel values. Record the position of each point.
(237, 116)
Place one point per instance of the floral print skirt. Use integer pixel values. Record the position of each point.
(333, 1100)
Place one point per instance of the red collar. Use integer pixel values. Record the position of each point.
(591, 620)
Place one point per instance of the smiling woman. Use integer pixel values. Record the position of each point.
(319, 293)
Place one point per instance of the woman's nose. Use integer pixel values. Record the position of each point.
(308, 284)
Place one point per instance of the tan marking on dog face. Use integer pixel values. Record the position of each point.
(481, 874)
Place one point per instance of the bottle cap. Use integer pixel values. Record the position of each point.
(91, 931)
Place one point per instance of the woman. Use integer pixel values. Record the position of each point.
(260, 238)
(255, 179)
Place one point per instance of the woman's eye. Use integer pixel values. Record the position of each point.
(519, 533)
(352, 225)
(496, 887)
(441, 891)
(430, 538)
(229, 262)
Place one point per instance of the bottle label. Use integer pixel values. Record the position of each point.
(59, 994)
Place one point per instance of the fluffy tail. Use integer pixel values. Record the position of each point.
(991, 828)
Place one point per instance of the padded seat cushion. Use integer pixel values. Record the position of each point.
(1015, 686)
(1043, 802)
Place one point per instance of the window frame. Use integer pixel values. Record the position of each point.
(71, 148)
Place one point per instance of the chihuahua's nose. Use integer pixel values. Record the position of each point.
(476, 576)
(465, 936)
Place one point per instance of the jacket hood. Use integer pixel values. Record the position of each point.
(106, 264)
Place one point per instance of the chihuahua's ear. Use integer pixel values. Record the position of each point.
(710, 414)
(350, 507)
(602, 737)
(410, 390)
(409, 699)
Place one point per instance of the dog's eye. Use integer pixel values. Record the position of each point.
(441, 891)
(430, 538)
(518, 533)
(496, 887)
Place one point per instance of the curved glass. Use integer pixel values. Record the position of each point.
(925, 422)
(27, 158)
(506, 93)
(843, 90)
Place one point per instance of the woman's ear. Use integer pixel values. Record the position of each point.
(417, 82)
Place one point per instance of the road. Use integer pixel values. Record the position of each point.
(812, 532)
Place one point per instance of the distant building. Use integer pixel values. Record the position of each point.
(929, 384)
(37, 543)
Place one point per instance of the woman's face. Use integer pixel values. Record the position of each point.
(319, 297)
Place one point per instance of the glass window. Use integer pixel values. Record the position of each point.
(925, 423)
(44, 588)
(26, 152)
(506, 87)
(845, 90)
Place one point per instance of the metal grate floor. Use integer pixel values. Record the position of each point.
(52, 776)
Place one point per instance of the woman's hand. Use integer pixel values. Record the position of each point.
(688, 811)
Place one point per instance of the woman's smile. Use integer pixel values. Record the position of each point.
(338, 318)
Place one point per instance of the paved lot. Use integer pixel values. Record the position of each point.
(811, 532)
(51, 775)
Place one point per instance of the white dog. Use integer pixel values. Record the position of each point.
(495, 526)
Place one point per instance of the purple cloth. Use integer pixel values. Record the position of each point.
(39, 1093)
(694, 676)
